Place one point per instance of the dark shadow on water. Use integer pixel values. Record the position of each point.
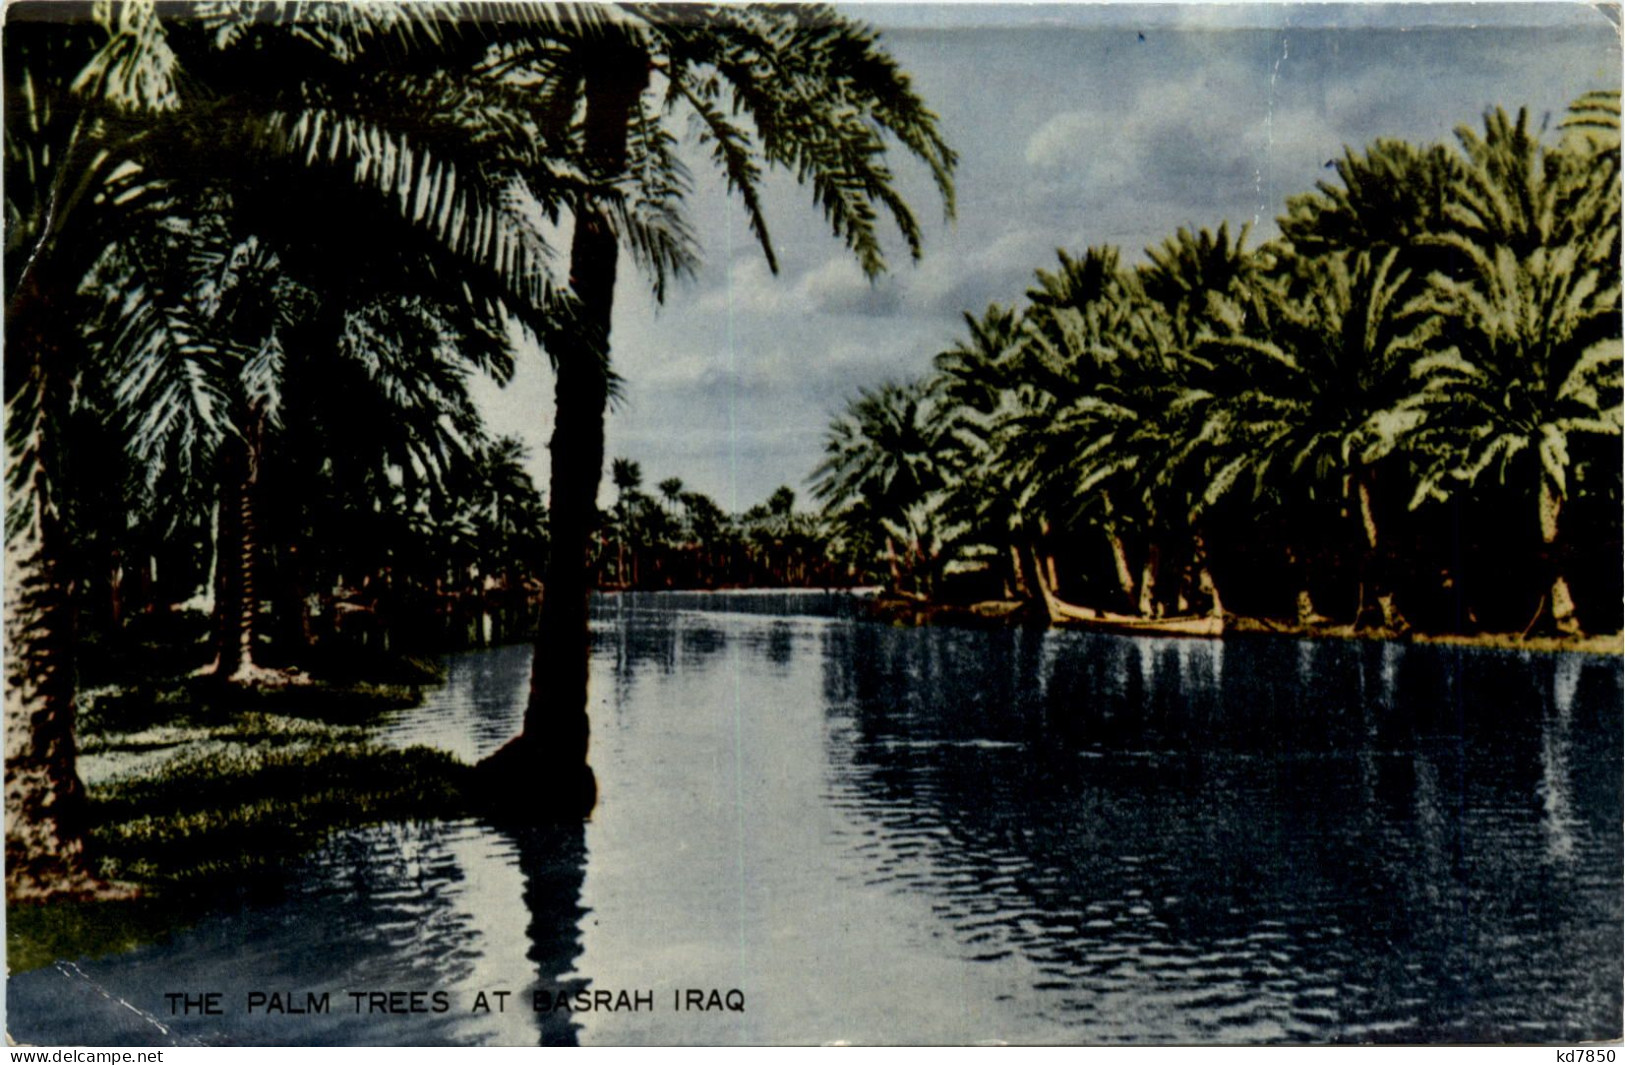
(1250, 840)
(553, 861)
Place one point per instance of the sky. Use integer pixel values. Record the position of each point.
(1075, 125)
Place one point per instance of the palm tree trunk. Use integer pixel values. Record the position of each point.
(115, 589)
(1018, 579)
(1205, 584)
(1125, 575)
(45, 808)
(227, 575)
(552, 748)
(235, 601)
(1375, 563)
(1148, 582)
(45, 801)
(1031, 575)
(1551, 509)
(247, 605)
(620, 554)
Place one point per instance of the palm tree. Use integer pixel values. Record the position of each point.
(104, 131)
(671, 490)
(60, 184)
(628, 478)
(710, 529)
(1533, 365)
(881, 479)
(1309, 414)
(799, 88)
(1201, 289)
(1394, 196)
(1089, 363)
(978, 392)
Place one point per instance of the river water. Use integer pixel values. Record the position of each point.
(872, 834)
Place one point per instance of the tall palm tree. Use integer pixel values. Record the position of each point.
(1310, 409)
(799, 88)
(979, 392)
(1201, 289)
(1533, 324)
(1089, 363)
(61, 182)
(113, 124)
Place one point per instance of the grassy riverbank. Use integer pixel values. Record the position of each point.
(197, 791)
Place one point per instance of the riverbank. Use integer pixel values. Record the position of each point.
(197, 790)
(902, 610)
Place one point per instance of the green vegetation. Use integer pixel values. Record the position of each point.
(221, 815)
(1404, 412)
(684, 539)
(256, 253)
(192, 794)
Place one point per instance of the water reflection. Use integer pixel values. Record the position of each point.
(903, 835)
(454, 909)
(1195, 847)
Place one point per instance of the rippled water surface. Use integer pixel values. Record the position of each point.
(929, 835)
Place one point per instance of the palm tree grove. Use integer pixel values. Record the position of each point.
(271, 266)
(1404, 413)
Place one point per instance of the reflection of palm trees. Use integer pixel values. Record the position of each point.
(1555, 787)
(1308, 853)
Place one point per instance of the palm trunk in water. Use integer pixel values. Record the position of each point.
(551, 751)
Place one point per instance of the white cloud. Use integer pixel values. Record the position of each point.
(1057, 141)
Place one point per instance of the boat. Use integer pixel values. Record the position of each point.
(1087, 618)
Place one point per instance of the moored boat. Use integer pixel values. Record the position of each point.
(1083, 617)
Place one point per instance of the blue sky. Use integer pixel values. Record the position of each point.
(1072, 130)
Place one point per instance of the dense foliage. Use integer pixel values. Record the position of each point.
(1405, 410)
(255, 252)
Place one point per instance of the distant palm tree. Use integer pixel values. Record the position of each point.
(628, 478)
(881, 476)
(671, 489)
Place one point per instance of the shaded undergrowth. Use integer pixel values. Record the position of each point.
(200, 795)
